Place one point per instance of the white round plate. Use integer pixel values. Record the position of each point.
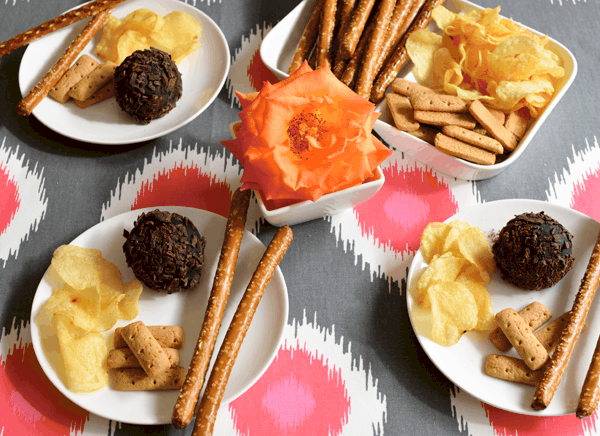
(185, 309)
(203, 74)
(463, 363)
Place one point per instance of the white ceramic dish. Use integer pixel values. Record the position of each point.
(277, 50)
(463, 363)
(327, 205)
(203, 74)
(185, 309)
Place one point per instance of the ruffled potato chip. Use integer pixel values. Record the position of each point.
(454, 283)
(444, 268)
(432, 240)
(82, 307)
(128, 306)
(453, 310)
(84, 357)
(484, 56)
(176, 33)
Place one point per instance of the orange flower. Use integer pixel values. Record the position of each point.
(304, 137)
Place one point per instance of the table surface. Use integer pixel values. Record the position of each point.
(350, 363)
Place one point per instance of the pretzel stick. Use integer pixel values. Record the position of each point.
(590, 392)
(194, 380)
(560, 358)
(404, 14)
(367, 71)
(326, 33)
(349, 75)
(346, 7)
(217, 382)
(350, 39)
(400, 56)
(308, 38)
(56, 23)
(37, 94)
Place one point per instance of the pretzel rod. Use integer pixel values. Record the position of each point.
(185, 405)
(308, 38)
(590, 392)
(356, 26)
(326, 33)
(349, 75)
(217, 382)
(37, 94)
(404, 14)
(400, 56)
(56, 23)
(560, 358)
(346, 8)
(367, 71)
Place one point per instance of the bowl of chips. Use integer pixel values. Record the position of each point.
(278, 49)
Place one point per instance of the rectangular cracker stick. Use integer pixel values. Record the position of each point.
(410, 89)
(93, 81)
(511, 369)
(41, 90)
(522, 338)
(168, 336)
(498, 114)
(491, 124)
(124, 358)
(570, 334)
(82, 66)
(460, 149)
(550, 334)
(106, 92)
(534, 314)
(516, 123)
(135, 379)
(445, 119)
(425, 133)
(439, 103)
(402, 111)
(146, 349)
(470, 137)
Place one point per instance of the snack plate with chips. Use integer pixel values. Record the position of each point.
(185, 309)
(277, 50)
(203, 74)
(463, 363)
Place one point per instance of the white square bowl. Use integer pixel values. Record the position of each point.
(327, 205)
(277, 50)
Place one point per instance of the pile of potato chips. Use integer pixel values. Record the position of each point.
(460, 265)
(176, 33)
(91, 300)
(481, 55)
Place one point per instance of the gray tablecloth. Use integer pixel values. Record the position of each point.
(350, 363)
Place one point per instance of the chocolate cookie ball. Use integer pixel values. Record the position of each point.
(533, 251)
(165, 251)
(147, 85)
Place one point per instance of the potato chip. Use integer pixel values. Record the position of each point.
(83, 356)
(474, 247)
(82, 307)
(421, 46)
(453, 310)
(484, 56)
(82, 268)
(471, 279)
(128, 306)
(444, 268)
(176, 33)
(109, 315)
(455, 279)
(432, 240)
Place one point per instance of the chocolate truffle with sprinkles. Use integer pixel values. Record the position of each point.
(533, 251)
(165, 251)
(147, 85)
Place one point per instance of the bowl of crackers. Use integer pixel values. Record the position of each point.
(435, 106)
